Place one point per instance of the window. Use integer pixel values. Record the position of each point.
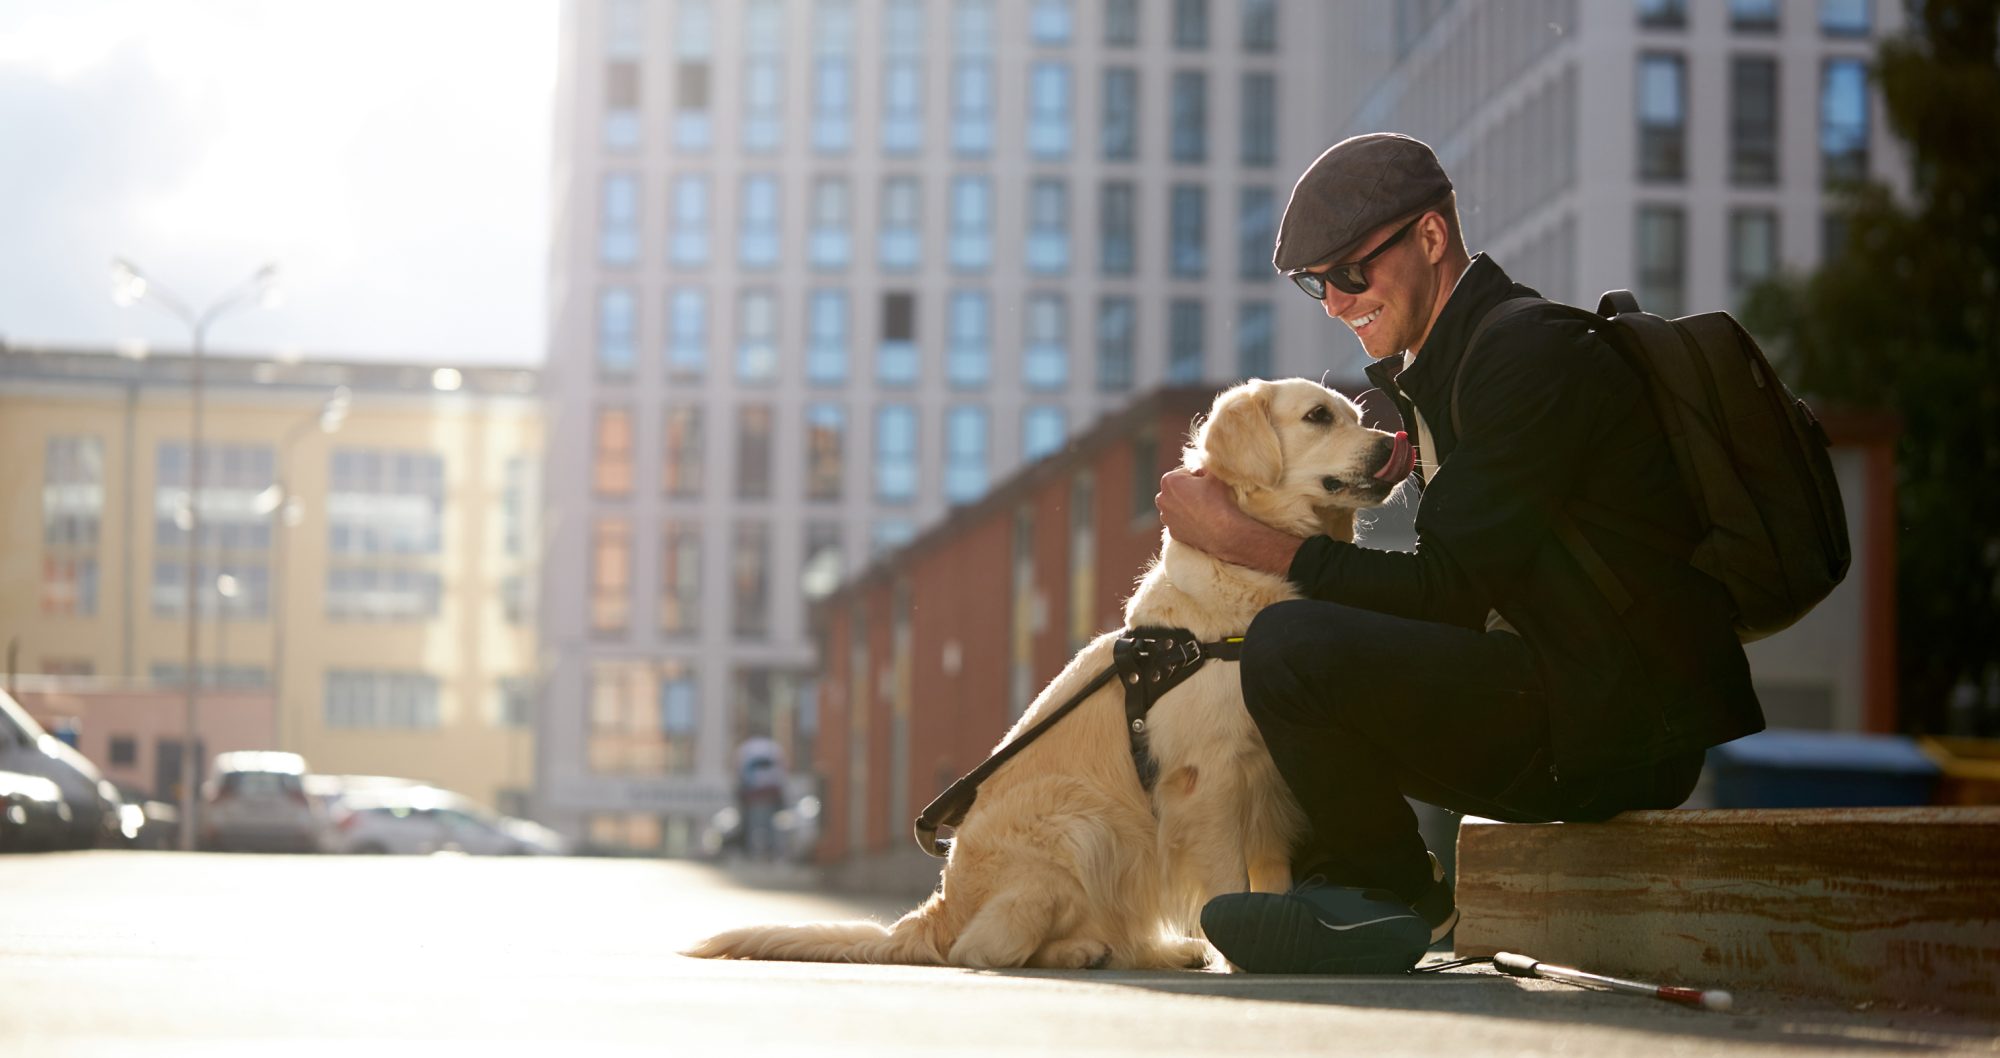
(401, 700)
(1190, 23)
(833, 76)
(1753, 14)
(1662, 117)
(1845, 18)
(895, 453)
(757, 336)
(680, 578)
(680, 465)
(903, 77)
(896, 358)
(1187, 226)
(625, 29)
(971, 223)
(618, 220)
(1042, 431)
(621, 106)
(514, 702)
(1048, 227)
(610, 576)
(972, 78)
(688, 239)
(382, 593)
(1048, 111)
(753, 452)
(763, 76)
(1046, 363)
(1753, 249)
(1260, 119)
(968, 356)
(1146, 471)
(384, 502)
(1260, 25)
(901, 238)
(687, 333)
(643, 721)
(964, 453)
(72, 508)
(517, 504)
(826, 338)
(1115, 317)
(1843, 122)
(1662, 260)
(1253, 339)
(124, 750)
(617, 346)
(1116, 224)
(694, 42)
(1663, 14)
(1256, 232)
(1184, 342)
(888, 534)
(172, 674)
(757, 245)
(1121, 22)
(1753, 119)
(1121, 114)
(1190, 117)
(828, 244)
(826, 441)
(611, 467)
(1049, 22)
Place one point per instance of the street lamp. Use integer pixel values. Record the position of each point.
(130, 286)
(286, 511)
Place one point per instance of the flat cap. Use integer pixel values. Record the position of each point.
(1358, 185)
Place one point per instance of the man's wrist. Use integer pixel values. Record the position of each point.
(1261, 547)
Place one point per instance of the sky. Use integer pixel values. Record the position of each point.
(390, 156)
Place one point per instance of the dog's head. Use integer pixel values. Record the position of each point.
(1296, 455)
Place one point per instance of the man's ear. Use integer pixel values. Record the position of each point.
(1238, 443)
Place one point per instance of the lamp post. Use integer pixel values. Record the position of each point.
(129, 287)
(286, 512)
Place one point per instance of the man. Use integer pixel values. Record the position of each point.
(1484, 672)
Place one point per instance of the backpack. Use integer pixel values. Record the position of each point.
(1751, 456)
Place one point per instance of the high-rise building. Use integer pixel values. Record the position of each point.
(825, 269)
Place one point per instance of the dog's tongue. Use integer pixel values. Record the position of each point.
(1401, 460)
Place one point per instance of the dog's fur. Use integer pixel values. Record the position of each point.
(1065, 860)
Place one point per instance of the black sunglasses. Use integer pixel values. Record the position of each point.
(1347, 278)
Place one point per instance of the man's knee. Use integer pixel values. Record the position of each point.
(1292, 654)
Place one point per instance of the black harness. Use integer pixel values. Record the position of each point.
(1149, 662)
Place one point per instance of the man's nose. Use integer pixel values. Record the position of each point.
(1335, 302)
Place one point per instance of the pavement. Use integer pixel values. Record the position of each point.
(149, 953)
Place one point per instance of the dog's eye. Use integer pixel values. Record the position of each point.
(1319, 415)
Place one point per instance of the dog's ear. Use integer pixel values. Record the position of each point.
(1238, 443)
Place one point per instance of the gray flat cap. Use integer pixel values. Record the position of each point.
(1358, 185)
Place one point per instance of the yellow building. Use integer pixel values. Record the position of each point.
(378, 580)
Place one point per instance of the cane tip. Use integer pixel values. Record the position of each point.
(1716, 999)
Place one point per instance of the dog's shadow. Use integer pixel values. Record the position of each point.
(1761, 1020)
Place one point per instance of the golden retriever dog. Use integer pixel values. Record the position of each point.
(1065, 860)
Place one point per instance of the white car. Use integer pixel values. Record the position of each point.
(420, 820)
(257, 801)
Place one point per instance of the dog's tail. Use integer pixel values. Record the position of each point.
(914, 940)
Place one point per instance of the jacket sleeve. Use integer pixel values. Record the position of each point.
(1492, 505)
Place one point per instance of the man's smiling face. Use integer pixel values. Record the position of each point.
(1394, 312)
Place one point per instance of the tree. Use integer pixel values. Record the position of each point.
(1905, 316)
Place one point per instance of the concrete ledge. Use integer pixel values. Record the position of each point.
(1854, 904)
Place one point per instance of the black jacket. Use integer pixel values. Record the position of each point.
(1551, 412)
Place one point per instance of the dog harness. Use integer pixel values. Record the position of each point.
(1148, 662)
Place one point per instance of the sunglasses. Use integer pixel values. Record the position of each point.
(1347, 278)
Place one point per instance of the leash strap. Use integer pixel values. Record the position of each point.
(1147, 661)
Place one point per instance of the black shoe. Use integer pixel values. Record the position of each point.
(1317, 929)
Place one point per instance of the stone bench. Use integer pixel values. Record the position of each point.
(1855, 904)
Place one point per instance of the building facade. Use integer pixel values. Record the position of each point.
(1680, 150)
(369, 589)
(823, 270)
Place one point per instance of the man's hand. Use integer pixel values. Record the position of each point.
(1200, 512)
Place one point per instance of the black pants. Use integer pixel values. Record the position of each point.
(1360, 709)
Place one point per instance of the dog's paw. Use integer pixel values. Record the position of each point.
(1076, 953)
(1188, 953)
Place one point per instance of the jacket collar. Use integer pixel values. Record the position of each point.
(1427, 379)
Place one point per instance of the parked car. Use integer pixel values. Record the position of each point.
(256, 802)
(33, 815)
(94, 804)
(420, 820)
